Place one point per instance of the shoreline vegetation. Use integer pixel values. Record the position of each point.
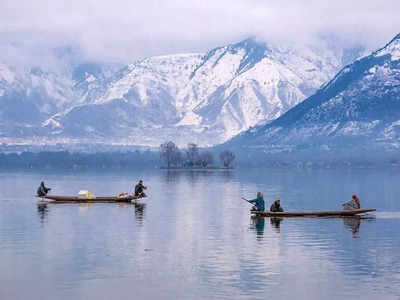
(192, 157)
(196, 169)
(169, 157)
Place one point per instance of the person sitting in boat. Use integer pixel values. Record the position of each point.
(42, 190)
(139, 189)
(276, 206)
(259, 203)
(354, 203)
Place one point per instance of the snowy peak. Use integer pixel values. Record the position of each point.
(254, 53)
(361, 103)
(202, 98)
(392, 49)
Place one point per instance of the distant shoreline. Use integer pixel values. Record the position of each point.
(197, 169)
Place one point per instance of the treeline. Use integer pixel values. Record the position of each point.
(67, 160)
(192, 157)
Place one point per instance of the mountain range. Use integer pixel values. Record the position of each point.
(206, 98)
(357, 111)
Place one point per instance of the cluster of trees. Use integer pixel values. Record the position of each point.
(171, 156)
(67, 160)
(192, 157)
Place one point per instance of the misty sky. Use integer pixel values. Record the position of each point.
(124, 30)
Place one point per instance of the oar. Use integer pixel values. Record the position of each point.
(247, 200)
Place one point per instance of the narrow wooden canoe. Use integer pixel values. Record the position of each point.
(312, 214)
(106, 199)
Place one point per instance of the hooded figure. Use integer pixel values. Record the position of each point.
(276, 206)
(259, 203)
(42, 190)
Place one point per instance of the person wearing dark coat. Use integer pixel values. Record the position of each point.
(259, 203)
(42, 190)
(139, 189)
(276, 206)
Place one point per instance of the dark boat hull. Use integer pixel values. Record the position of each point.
(312, 214)
(72, 199)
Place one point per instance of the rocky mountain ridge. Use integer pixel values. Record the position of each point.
(357, 111)
(202, 98)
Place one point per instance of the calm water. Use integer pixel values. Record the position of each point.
(194, 238)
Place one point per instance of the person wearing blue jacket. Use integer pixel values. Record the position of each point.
(259, 203)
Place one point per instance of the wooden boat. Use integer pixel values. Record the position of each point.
(69, 199)
(312, 214)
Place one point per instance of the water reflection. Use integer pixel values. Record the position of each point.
(228, 174)
(200, 234)
(276, 224)
(171, 176)
(84, 208)
(42, 210)
(194, 176)
(258, 224)
(139, 213)
(353, 223)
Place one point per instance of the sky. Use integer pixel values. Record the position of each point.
(126, 30)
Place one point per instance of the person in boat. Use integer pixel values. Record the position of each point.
(259, 203)
(276, 206)
(354, 203)
(139, 189)
(42, 190)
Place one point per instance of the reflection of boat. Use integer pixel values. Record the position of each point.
(312, 214)
(67, 199)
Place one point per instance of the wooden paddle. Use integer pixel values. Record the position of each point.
(247, 201)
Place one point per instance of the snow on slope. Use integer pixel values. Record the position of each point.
(360, 106)
(202, 98)
(205, 99)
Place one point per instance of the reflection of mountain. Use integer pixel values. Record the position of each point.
(200, 242)
(359, 109)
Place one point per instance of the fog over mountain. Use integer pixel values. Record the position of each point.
(127, 30)
(202, 98)
(358, 111)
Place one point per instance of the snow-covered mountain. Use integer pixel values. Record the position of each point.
(30, 97)
(358, 110)
(202, 98)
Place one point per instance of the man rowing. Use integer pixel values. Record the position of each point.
(42, 190)
(354, 203)
(259, 203)
(276, 206)
(139, 189)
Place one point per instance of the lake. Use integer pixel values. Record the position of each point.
(194, 238)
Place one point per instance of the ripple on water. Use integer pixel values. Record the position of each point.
(387, 214)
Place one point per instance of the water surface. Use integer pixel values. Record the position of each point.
(193, 238)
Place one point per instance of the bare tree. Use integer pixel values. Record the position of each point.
(170, 154)
(227, 158)
(206, 159)
(192, 154)
(177, 158)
